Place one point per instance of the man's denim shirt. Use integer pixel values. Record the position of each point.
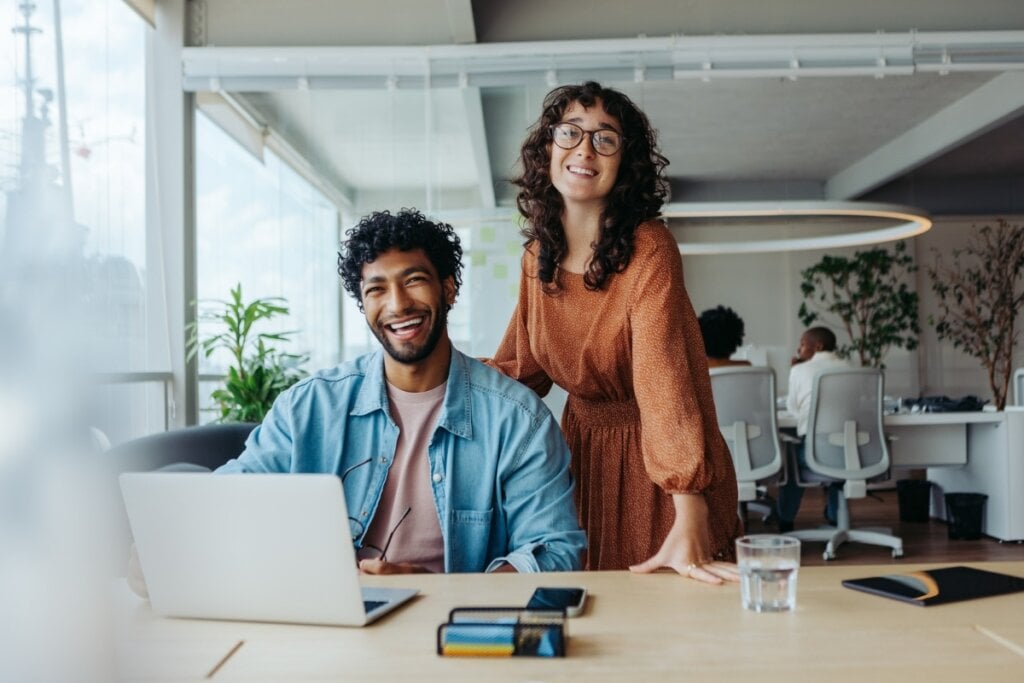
(499, 465)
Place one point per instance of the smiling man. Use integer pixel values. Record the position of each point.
(447, 464)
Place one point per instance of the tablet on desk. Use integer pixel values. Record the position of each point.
(939, 586)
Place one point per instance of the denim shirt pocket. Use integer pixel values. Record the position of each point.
(470, 539)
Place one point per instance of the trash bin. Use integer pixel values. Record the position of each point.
(914, 498)
(964, 513)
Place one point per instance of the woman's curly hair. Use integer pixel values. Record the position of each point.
(638, 194)
(407, 230)
(722, 330)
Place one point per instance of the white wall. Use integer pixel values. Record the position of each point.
(764, 289)
(944, 370)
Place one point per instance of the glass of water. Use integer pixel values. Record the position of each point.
(768, 566)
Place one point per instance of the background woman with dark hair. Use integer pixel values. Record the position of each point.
(603, 313)
(722, 331)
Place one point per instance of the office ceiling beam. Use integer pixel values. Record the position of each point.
(478, 139)
(460, 21)
(463, 29)
(994, 103)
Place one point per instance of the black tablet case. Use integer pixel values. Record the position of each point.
(939, 586)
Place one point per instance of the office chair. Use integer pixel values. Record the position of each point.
(745, 404)
(201, 448)
(845, 442)
(1018, 387)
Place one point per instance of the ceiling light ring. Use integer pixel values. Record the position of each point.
(912, 222)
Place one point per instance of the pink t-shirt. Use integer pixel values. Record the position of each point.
(417, 539)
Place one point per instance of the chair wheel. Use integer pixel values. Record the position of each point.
(897, 552)
(827, 556)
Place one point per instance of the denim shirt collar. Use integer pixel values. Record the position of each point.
(457, 414)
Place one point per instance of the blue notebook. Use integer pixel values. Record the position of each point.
(939, 586)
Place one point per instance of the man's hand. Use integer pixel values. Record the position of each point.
(383, 567)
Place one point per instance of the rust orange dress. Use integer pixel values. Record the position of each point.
(639, 420)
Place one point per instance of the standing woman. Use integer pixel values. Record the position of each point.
(603, 313)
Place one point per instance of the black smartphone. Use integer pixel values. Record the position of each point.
(571, 599)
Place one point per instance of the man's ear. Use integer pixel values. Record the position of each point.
(449, 290)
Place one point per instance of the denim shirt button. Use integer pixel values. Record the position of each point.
(437, 477)
(383, 459)
(363, 513)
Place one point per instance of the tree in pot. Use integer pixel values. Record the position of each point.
(980, 295)
(258, 371)
(869, 296)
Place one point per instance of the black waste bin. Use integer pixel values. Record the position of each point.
(914, 497)
(964, 513)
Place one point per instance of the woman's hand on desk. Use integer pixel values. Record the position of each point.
(687, 547)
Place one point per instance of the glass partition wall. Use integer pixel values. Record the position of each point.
(281, 174)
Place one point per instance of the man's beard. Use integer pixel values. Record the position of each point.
(415, 355)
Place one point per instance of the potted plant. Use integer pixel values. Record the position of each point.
(258, 371)
(869, 296)
(980, 295)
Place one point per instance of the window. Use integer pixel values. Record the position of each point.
(72, 167)
(262, 224)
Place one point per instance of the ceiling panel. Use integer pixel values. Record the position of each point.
(726, 138)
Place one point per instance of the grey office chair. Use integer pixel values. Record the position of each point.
(206, 447)
(845, 442)
(1018, 387)
(745, 404)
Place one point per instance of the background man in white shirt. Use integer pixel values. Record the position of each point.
(815, 353)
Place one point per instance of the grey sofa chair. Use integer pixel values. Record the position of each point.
(208, 446)
(201, 448)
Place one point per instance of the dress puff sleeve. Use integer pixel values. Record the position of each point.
(670, 374)
(514, 358)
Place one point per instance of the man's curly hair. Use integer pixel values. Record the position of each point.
(407, 230)
(638, 194)
(722, 330)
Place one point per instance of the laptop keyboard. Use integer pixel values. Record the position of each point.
(370, 605)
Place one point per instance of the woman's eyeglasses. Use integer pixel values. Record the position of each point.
(605, 141)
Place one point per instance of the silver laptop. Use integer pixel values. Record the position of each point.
(251, 547)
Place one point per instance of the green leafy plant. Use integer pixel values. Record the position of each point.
(869, 296)
(980, 295)
(259, 371)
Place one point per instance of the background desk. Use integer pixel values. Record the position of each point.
(639, 628)
(925, 439)
(978, 452)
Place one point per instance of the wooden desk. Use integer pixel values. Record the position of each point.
(635, 628)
